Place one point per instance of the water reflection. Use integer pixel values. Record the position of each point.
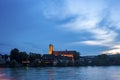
(51, 74)
(3, 76)
(67, 73)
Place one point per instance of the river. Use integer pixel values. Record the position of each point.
(61, 73)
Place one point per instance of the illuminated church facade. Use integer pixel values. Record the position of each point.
(72, 55)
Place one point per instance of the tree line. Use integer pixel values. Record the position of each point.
(101, 60)
(19, 59)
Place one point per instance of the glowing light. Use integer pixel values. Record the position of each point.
(113, 51)
(51, 49)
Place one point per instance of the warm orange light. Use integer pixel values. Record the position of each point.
(65, 54)
(51, 49)
(25, 62)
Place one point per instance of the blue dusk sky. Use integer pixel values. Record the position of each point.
(90, 27)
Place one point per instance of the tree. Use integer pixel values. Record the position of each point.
(13, 63)
(102, 60)
(76, 56)
(23, 56)
(14, 54)
(34, 56)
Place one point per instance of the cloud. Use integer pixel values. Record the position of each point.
(33, 45)
(6, 44)
(97, 17)
(53, 9)
(90, 42)
(114, 16)
(114, 50)
(90, 16)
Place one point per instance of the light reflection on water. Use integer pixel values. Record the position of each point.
(61, 73)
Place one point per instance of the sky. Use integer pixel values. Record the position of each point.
(91, 27)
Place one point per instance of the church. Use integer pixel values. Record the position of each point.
(72, 55)
(55, 57)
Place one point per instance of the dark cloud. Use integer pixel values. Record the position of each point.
(6, 44)
(33, 45)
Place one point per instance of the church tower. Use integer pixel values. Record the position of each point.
(51, 49)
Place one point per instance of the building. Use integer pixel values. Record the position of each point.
(59, 58)
(72, 55)
(2, 60)
(68, 54)
(51, 49)
(48, 58)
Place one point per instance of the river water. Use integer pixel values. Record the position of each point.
(61, 73)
